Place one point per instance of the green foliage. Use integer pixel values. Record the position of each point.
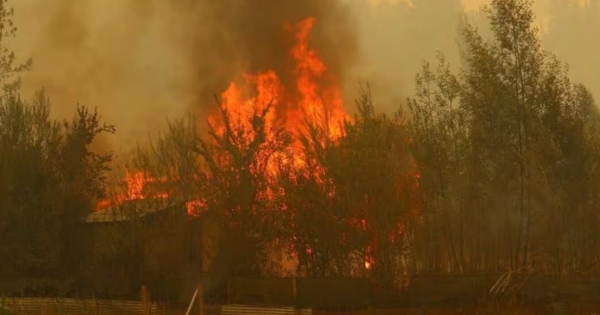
(353, 199)
(512, 159)
(439, 144)
(496, 167)
(50, 179)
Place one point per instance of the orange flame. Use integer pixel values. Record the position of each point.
(315, 98)
(136, 189)
(319, 103)
(135, 185)
(194, 207)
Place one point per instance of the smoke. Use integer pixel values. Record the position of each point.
(571, 36)
(141, 61)
(251, 35)
(396, 36)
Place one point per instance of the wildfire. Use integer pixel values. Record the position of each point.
(194, 207)
(136, 184)
(320, 104)
(313, 100)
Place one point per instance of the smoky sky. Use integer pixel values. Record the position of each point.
(250, 35)
(142, 61)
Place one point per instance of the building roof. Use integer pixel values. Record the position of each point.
(130, 209)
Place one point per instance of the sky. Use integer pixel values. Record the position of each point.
(131, 58)
(398, 35)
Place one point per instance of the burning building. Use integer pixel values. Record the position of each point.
(258, 139)
(142, 238)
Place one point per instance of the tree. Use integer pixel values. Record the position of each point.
(440, 144)
(502, 93)
(240, 190)
(50, 180)
(352, 200)
(172, 156)
(511, 161)
(9, 68)
(374, 175)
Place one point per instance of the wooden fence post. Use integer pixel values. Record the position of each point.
(146, 300)
(294, 292)
(229, 291)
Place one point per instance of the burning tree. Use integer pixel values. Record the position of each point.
(361, 198)
(285, 168)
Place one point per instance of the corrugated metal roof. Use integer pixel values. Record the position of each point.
(237, 309)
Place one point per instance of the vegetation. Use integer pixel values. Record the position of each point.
(508, 152)
(495, 168)
(49, 181)
(50, 178)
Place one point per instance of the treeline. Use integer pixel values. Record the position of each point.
(490, 169)
(508, 150)
(49, 178)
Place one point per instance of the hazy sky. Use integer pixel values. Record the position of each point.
(397, 35)
(130, 58)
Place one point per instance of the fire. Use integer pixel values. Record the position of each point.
(369, 259)
(194, 207)
(135, 189)
(316, 102)
(241, 108)
(315, 98)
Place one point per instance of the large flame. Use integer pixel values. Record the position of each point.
(319, 103)
(313, 100)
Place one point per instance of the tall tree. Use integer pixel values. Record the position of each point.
(9, 65)
(50, 179)
(240, 190)
(528, 140)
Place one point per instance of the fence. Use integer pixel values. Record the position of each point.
(326, 293)
(252, 310)
(76, 306)
(47, 306)
(302, 292)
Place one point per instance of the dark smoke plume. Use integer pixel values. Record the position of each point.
(140, 61)
(250, 36)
